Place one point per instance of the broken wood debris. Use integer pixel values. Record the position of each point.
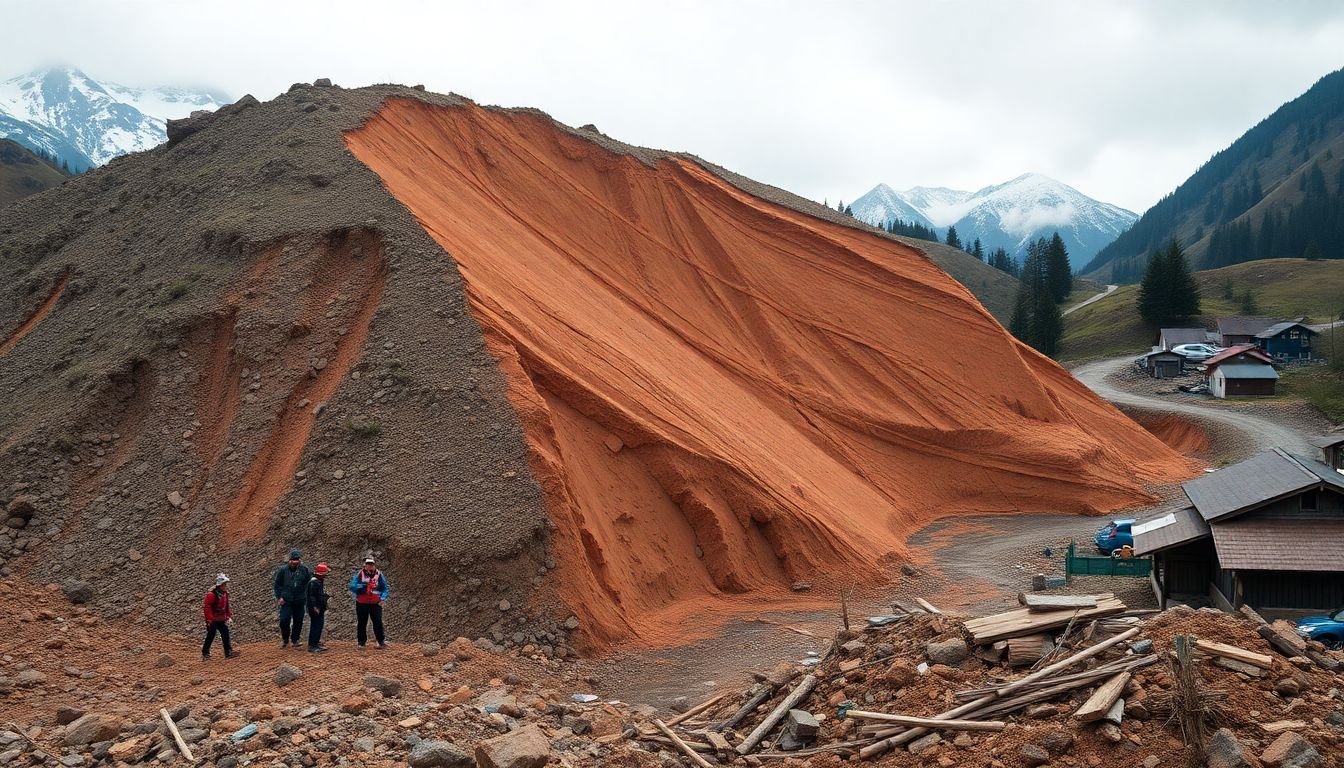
(1024, 622)
(1043, 603)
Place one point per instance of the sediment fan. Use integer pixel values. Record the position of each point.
(539, 371)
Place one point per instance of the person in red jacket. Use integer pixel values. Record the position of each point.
(218, 613)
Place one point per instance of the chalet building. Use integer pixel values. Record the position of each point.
(1171, 337)
(1241, 371)
(1289, 340)
(1234, 331)
(1267, 532)
(1162, 364)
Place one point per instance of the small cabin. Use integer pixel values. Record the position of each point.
(1243, 380)
(1236, 331)
(1289, 340)
(1163, 364)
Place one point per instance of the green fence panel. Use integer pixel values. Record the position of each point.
(1087, 565)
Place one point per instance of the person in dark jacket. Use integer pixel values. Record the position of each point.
(370, 588)
(317, 607)
(291, 592)
(218, 612)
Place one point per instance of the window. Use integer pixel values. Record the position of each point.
(1309, 502)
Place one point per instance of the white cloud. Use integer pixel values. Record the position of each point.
(1121, 100)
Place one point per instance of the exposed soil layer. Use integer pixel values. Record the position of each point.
(722, 395)
(1182, 435)
(42, 310)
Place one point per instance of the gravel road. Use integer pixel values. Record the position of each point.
(1263, 433)
(1109, 290)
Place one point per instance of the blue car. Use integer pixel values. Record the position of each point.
(1327, 630)
(1115, 535)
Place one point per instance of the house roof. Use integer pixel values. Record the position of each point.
(1277, 328)
(1251, 483)
(1173, 336)
(1278, 544)
(1325, 441)
(1165, 353)
(1240, 349)
(1243, 326)
(1248, 371)
(1168, 529)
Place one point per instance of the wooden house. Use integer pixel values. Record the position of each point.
(1290, 340)
(1267, 532)
(1234, 331)
(1163, 364)
(1171, 337)
(1241, 371)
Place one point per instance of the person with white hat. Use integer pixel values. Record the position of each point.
(370, 588)
(218, 613)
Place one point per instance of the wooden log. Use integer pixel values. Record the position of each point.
(926, 605)
(1277, 641)
(1068, 662)
(1099, 703)
(718, 742)
(799, 691)
(1328, 663)
(177, 736)
(693, 711)
(1027, 650)
(928, 722)
(1252, 614)
(1043, 603)
(1233, 652)
(1105, 670)
(683, 746)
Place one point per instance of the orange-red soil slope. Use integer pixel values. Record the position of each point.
(722, 395)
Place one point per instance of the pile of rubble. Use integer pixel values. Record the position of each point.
(1089, 683)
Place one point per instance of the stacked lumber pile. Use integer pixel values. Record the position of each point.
(914, 681)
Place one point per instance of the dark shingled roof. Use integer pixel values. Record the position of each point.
(1278, 544)
(1325, 441)
(1250, 483)
(1174, 336)
(1243, 326)
(1277, 328)
(1185, 525)
(1248, 371)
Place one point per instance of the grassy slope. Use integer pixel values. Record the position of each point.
(1282, 287)
(23, 173)
(995, 289)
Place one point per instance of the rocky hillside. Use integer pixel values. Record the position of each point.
(23, 173)
(1271, 194)
(666, 388)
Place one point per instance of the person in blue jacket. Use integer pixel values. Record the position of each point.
(370, 589)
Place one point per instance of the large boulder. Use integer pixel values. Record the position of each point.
(526, 747)
(1290, 750)
(439, 754)
(384, 685)
(287, 673)
(92, 728)
(1224, 751)
(950, 652)
(78, 592)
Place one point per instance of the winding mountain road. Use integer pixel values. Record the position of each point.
(1109, 290)
(1262, 433)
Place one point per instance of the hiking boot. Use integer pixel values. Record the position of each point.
(205, 657)
(382, 646)
(316, 648)
(284, 644)
(231, 654)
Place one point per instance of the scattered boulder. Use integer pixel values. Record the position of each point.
(1291, 750)
(68, 715)
(949, 652)
(924, 743)
(92, 728)
(164, 660)
(384, 685)
(287, 673)
(29, 678)
(526, 747)
(1224, 751)
(1057, 741)
(1288, 687)
(438, 754)
(1034, 755)
(78, 592)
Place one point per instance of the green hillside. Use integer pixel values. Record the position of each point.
(1280, 287)
(23, 173)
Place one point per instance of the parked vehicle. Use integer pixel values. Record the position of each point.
(1115, 535)
(1327, 630)
(1196, 352)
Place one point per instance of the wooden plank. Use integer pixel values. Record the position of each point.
(718, 741)
(1238, 666)
(1278, 642)
(926, 605)
(693, 711)
(1043, 603)
(799, 691)
(1233, 652)
(1023, 621)
(1101, 700)
(928, 722)
(1283, 725)
(177, 736)
(683, 746)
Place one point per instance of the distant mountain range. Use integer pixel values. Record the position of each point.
(1275, 192)
(1009, 215)
(83, 122)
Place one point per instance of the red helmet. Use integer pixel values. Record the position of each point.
(322, 569)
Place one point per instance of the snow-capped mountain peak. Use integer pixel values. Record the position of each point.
(1009, 215)
(86, 122)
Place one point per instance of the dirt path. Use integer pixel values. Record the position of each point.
(1261, 432)
(1109, 290)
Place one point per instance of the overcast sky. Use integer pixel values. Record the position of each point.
(1122, 100)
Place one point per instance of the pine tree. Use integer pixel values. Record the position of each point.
(1036, 320)
(849, 212)
(1057, 267)
(952, 238)
(978, 251)
(1168, 292)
